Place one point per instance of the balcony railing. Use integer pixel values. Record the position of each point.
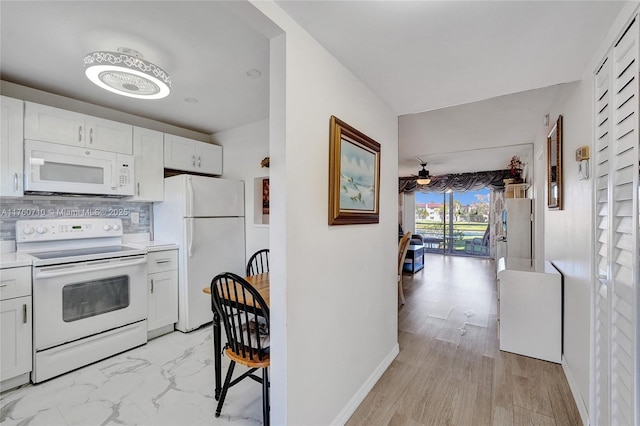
(439, 238)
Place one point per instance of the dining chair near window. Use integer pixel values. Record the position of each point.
(403, 245)
(258, 262)
(245, 318)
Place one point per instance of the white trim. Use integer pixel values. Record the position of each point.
(582, 408)
(366, 387)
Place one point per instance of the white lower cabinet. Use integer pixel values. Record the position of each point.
(530, 308)
(162, 289)
(15, 327)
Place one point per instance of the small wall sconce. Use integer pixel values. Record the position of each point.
(264, 162)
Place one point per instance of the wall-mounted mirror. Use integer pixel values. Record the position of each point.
(554, 166)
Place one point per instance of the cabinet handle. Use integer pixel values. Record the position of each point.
(80, 134)
(24, 313)
(15, 181)
(193, 160)
(4, 285)
(152, 285)
(199, 162)
(138, 188)
(91, 136)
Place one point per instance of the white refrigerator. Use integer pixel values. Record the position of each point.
(205, 217)
(519, 227)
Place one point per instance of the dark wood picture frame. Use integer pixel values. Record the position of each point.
(554, 166)
(354, 176)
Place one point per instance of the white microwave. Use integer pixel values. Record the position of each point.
(53, 168)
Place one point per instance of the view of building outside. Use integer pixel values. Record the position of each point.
(454, 222)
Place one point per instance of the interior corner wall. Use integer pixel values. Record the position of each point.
(338, 283)
(243, 149)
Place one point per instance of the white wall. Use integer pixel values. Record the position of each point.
(568, 233)
(333, 287)
(243, 149)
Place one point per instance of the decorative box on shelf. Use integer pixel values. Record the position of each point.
(516, 190)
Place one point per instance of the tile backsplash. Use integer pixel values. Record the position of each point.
(13, 209)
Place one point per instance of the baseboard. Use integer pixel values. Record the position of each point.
(582, 409)
(366, 387)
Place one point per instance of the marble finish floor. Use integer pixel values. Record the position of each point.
(168, 381)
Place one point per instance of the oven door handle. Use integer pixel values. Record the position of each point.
(73, 269)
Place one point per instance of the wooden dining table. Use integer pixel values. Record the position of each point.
(261, 283)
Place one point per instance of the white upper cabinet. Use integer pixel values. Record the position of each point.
(148, 152)
(11, 152)
(191, 155)
(49, 124)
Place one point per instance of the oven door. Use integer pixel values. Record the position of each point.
(76, 300)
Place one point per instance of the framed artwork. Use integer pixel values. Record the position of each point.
(554, 166)
(265, 196)
(354, 176)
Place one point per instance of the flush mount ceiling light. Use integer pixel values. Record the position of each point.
(423, 176)
(125, 72)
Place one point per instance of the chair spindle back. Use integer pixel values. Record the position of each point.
(258, 263)
(244, 314)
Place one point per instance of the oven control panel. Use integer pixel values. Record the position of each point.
(67, 229)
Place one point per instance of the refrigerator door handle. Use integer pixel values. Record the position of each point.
(190, 236)
(189, 197)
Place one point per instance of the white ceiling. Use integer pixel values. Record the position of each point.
(204, 46)
(460, 58)
(432, 55)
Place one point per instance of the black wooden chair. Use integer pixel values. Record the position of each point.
(245, 317)
(258, 262)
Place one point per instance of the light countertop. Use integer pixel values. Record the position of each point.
(526, 265)
(152, 246)
(15, 260)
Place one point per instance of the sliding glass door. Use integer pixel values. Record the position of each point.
(454, 222)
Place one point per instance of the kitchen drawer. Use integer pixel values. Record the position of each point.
(15, 282)
(160, 261)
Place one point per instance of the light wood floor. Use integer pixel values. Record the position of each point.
(450, 370)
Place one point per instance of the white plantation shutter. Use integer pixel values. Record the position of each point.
(624, 227)
(601, 171)
(616, 397)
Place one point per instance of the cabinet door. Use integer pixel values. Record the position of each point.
(148, 152)
(209, 158)
(45, 123)
(107, 135)
(11, 142)
(179, 153)
(15, 328)
(163, 299)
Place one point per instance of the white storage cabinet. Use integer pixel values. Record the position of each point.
(192, 155)
(49, 124)
(530, 308)
(15, 326)
(11, 147)
(162, 287)
(148, 151)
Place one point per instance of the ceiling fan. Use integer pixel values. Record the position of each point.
(423, 177)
